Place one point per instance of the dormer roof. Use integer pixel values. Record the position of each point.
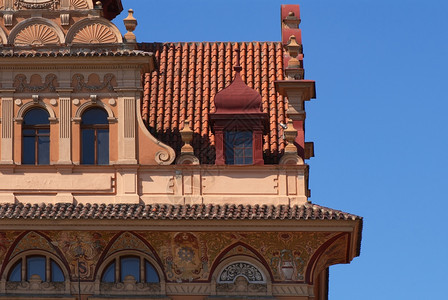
(238, 98)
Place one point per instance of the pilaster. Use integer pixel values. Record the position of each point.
(7, 144)
(65, 130)
(127, 151)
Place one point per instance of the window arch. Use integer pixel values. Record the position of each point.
(36, 137)
(130, 270)
(30, 266)
(94, 137)
(121, 268)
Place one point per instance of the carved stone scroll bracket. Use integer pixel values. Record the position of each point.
(8, 17)
(164, 155)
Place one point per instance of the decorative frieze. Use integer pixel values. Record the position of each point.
(36, 4)
(80, 84)
(21, 84)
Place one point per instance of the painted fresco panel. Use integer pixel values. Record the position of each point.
(184, 256)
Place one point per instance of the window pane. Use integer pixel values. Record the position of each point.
(44, 150)
(150, 273)
(238, 147)
(103, 146)
(56, 273)
(88, 146)
(15, 274)
(35, 266)
(36, 116)
(109, 274)
(130, 266)
(28, 151)
(94, 116)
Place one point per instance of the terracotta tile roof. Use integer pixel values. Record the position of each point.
(180, 212)
(187, 79)
(71, 53)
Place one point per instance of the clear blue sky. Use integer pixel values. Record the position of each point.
(379, 122)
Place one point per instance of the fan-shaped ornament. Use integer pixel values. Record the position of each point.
(36, 35)
(79, 4)
(95, 34)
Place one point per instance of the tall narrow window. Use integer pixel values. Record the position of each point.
(36, 137)
(238, 147)
(94, 137)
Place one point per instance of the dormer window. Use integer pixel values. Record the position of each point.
(94, 137)
(36, 137)
(238, 147)
(238, 124)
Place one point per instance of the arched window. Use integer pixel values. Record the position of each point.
(36, 137)
(121, 268)
(94, 137)
(46, 268)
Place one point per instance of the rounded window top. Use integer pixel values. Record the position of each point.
(94, 116)
(36, 116)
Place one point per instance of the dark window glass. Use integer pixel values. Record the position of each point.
(35, 265)
(238, 147)
(130, 266)
(56, 273)
(150, 273)
(95, 137)
(109, 274)
(36, 137)
(15, 274)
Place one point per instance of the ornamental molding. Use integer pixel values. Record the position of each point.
(80, 84)
(93, 31)
(36, 32)
(241, 269)
(110, 114)
(21, 84)
(130, 285)
(34, 285)
(95, 34)
(3, 38)
(36, 4)
(79, 4)
(36, 35)
(29, 105)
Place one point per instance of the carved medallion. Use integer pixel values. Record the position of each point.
(36, 35)
(36, 4)
(95, 34)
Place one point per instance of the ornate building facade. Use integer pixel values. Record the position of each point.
(156, 171)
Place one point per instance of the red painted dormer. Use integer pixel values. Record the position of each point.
(238, 124)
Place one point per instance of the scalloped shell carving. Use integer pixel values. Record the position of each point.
(95, 34)
(36, 35)
(79, 4)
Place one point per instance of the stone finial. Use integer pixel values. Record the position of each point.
(187, 152)
(294, 70)
(130, 23)
(290, 136)
(187, 136)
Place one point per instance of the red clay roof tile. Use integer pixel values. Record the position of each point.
(188, 77)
